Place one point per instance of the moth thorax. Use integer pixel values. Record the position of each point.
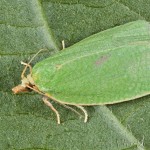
(30, 79)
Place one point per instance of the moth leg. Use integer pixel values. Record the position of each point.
(45, 100)
(70, 108)
(24, 70)
(78, 106)
(84, 111)
(66, 106)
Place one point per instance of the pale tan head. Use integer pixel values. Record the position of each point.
(26, 81)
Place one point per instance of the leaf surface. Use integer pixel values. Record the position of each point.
(25, 122)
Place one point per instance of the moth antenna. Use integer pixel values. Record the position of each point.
(28, 64)
(84, 111)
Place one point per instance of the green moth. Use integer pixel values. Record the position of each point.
(106, 68)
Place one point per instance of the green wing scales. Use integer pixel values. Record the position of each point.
(109, 67)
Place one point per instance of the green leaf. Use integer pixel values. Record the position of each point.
(25, 122)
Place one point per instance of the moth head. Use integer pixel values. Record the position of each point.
(26, 82)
